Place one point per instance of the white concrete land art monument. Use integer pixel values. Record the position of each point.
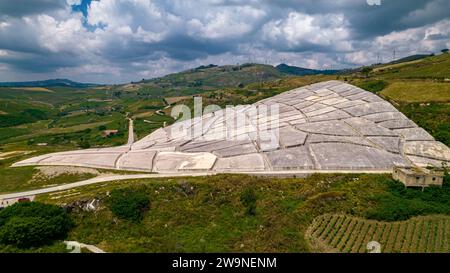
(325, 127)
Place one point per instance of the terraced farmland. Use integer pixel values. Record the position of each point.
(347, 234)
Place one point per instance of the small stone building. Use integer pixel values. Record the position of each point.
(418, 177)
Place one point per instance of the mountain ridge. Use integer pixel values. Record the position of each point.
(48, 83)
(301, 71)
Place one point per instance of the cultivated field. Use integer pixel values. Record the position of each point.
(411, 92)
(348, 234)
(36, 89)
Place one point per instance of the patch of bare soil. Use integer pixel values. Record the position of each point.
(49, 172)
(6, 155)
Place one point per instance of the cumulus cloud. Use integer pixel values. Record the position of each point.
(124, 40)
(303, 32)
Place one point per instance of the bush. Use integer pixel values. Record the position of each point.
(84, 144)
(129, 204)
(373, 86)
(248, 199)
(446, 182)
(33, 224)
(26, 116)
(400, 203)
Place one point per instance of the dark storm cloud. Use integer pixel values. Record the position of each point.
(180, 47)
(17, 8)
(183, 47)
(41, 63)
(20, 39)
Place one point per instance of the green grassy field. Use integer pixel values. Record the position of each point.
(411, 92)
(22, 179)
(28, 178)
(435, 67)
(205, 214)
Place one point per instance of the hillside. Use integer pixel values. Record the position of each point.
(300, 71)
(432, 68)
(48, 83)
(211, 77)
(411, 58)
(203, 79)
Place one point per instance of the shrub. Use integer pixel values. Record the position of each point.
(446, 182)
(248, 199)
(366, 70)
(400, 203)
(34, 114)
(84, 144)
(33, 224)
(374, 86)
(129, 204)
(26, 116)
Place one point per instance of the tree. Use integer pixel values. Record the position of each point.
(366, 70)
(33, 224)
(444, 50)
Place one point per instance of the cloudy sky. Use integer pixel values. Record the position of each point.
(113, 41)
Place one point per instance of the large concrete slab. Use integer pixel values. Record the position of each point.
(334, 127)
(391, 144)
(100, 160)
(249, 162)
(413, 134)
(138, 161)
(353, 157)
(385, 116)
(290, 137)
(236, 150)
(297, 158)
(370, 108)
(317, 138)
(368, 128)
(430, 149)
(177, 161)
(398, 124)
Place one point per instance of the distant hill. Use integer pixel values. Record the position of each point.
(48, 83)
(431, 67)
(211, 77)
(300, 71)
(411, 58)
